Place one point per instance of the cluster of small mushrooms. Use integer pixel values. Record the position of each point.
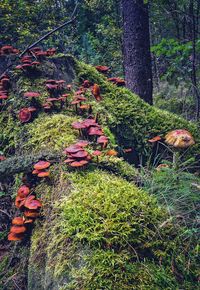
(30, 206)
(27, 203)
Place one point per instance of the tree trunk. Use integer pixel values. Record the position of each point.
(136, 48)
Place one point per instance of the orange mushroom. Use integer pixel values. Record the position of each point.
(179, 139)
(15, 237)
(23, 191)
(18, 221)
(18, 229)
(112, 152)
(44, 174)
(40, 165)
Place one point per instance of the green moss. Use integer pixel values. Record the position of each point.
(51, 132)
(119, 167)
(131, 119)
(105, 233)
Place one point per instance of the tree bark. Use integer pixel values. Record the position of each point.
(136, 48)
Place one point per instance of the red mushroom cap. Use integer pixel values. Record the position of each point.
(3, 97)
(75, 102)
(69, 160)
(19, 67)
(15, 237)
(79, 163)
(42, 165)
(96, 153)
(32, 203)
(31, 213)
(60, 82)
(102, 68)
(2, 158)
(23, 191)
(82, 143)
(112, 152)
(73, 149)
(36, 63)
(155, 139)
(17, 229)
(24, 115)
(52, 100)
(51, 87)
(102, 139)
(89, 122)
(65, 95)
(50, 81)
(18, 221)
(32, 109)
(43, 174)
(19, 201)
(78, 125)
(31, 95)
(80, 154)
(95, 131)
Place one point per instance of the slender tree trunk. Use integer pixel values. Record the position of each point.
(136, 48)
(194, 74)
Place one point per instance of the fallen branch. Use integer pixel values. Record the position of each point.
(18, 164)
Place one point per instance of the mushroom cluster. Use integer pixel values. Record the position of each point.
(41, 54)
(93, 136)
(88, 128)
(57, 95)
(33, 58)
(77, 156)
(30, 206)
(8, 49)
(41, 169)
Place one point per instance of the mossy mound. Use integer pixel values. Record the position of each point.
(105, 233)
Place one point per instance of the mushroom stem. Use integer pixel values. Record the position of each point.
(175, 161)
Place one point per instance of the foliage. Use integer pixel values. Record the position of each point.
(178, 191)
(176, 56)
(176, 99)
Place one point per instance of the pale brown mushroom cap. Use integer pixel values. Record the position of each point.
(179, 138)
